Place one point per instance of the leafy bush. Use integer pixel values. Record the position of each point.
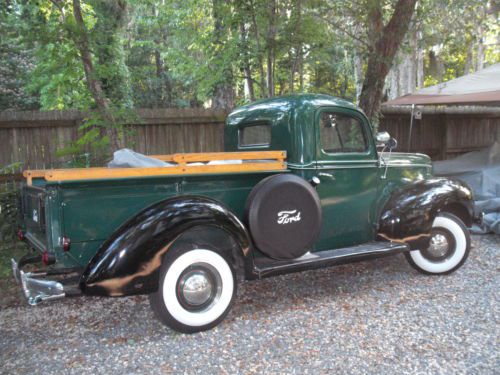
(93, 146)
(10, 221)
(9, 211)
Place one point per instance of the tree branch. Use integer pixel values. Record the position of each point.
(342, 29)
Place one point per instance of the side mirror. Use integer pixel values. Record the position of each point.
(392, 143)
(382, 138)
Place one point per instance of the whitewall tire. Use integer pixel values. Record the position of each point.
(196, 291)
(449, 247)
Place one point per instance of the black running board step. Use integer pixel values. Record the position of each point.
(265, 267)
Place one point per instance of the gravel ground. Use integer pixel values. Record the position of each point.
(371, 317)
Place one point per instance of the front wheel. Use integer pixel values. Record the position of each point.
(448, 249)
(197, 289)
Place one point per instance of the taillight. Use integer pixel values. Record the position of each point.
(66, 243)
(20, 235)
(48, 258)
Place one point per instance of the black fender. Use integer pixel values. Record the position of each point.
(129, 261)
(408, 214)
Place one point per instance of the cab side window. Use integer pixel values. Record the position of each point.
(341, 133)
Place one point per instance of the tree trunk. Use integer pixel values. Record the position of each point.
(164, 95)
(468, 58)
(383, 51)
(358, 70)
(223, 96)
(297, 61)
(393, 80)
(247, 70)
(111, 20)
(420, 60)
(271, 35)
(260, 59)
(480, 48)
(93, 83)
(436, 66)
(160, 73)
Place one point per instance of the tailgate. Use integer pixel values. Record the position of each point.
(33, 213)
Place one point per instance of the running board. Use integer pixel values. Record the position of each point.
(265, 267)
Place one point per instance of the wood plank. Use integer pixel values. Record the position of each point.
(75, 174)
(209, 156)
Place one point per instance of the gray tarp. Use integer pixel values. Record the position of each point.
(481, 171)
(126, 158)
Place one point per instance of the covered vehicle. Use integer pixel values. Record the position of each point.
(481, 171)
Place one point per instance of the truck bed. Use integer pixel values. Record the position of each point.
(189, 163)
(87, 205)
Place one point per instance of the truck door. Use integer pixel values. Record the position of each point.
(346, 165)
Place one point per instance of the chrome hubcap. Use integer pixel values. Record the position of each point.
(199, 287)
(196, 287)
(439, 245)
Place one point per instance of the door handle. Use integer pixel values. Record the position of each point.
(327, 175)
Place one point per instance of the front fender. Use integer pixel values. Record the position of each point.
(410, 211)
(129, 261)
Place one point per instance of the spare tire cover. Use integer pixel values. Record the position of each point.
(283, 213)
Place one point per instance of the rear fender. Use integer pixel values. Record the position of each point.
(408, 215)
(129, 261)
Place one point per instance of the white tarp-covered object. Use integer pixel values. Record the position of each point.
(126, 158)
(481, 171)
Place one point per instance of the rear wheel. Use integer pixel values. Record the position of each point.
(196, 291)
(448, 249)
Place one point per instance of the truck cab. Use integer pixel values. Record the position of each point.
(331, 140)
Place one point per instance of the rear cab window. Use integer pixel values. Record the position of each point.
(254, 135)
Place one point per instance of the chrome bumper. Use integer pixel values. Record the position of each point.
(37, 290)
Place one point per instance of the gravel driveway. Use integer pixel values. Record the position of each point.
(370, 317)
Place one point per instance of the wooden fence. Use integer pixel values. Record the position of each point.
(443, 133)
(33, 138)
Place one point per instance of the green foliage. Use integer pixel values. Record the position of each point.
(59, 78)
(170, 53)
(11, 168)
(92, 146)
(452, 30)
(9, 211)
(10, 222)
(17, 62)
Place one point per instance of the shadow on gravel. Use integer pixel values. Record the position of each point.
(313, 287)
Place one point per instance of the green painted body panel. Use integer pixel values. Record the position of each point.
(352, 190)
(91, 211)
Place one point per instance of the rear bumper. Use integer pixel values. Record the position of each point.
(37, 288)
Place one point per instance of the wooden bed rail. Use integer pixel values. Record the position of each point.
(252, 161)
(211, 156)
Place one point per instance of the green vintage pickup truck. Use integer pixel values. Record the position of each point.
(303, 184)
